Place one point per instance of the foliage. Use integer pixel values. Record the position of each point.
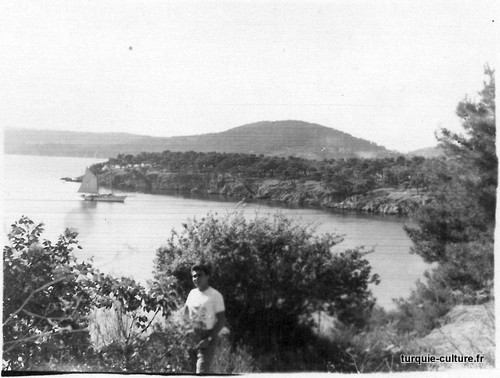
(229, 360)
(420, 313)
(342, 177)
(49, 296)
(476, 152)
(162, 347)
(274, 274)
(44, 298)
(376, 349)
(165, 347)
(465, 189)
(455, 230)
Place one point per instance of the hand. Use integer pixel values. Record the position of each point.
(203, 344)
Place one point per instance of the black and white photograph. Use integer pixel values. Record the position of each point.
(249, 187)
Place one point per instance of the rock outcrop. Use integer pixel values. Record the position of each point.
(311, 193)
(466, 331)
(385, 201)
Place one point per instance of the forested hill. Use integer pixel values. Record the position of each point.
(296, 138)
(281, 138)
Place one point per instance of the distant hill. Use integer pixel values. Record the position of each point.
(428, 152)
(280, 138)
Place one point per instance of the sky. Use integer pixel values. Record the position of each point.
(391, 72)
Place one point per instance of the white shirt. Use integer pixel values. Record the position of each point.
(203, 305)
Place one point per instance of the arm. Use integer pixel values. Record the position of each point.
(220, 323)
(185, 310)
(220, 316)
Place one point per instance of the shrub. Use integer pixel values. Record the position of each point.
(49, 297)
(273, 273)
(45, 300)
(229, 360)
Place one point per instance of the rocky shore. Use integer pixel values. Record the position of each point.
(385, 201)
(379, 201)
(465, 330)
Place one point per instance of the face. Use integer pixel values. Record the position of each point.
(200, 279)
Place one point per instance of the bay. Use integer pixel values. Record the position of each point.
(122, 238)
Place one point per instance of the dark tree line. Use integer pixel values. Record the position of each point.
(345, 177)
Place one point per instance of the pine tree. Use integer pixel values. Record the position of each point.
(456, 229)
(476, 152)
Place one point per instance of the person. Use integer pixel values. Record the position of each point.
(205, 306)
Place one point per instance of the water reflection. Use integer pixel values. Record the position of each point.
(84, 205)
(81, 217)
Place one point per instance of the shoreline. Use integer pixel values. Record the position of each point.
(382, 201)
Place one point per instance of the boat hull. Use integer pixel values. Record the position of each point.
(103, 198)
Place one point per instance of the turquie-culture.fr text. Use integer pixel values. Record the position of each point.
(429, 359)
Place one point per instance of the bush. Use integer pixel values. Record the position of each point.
(163, 348)
(273, 273)
(45, 300)
(229, 360)
(49, 298)
(376, 349)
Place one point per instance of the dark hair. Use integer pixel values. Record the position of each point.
(202, 266)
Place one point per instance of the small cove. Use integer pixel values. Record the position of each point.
(123, 238)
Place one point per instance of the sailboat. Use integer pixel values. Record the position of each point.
(91, 186)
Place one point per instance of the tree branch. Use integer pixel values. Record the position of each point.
(41, 288)
(50, 319)
(34, 337)
(151, 321)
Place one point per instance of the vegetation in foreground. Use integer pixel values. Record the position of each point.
(61, 314)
